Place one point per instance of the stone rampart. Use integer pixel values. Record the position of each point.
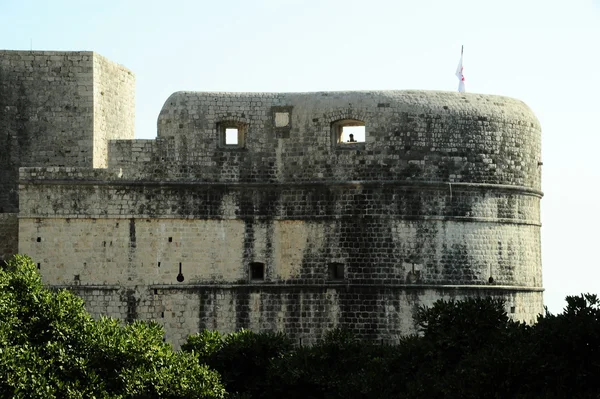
(291, 228)
(58, 109)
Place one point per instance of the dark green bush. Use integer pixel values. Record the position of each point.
(50, 347)
(242, 358)
(466, 349)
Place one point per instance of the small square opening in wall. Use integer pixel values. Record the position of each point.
(348, 132)
(231, 136)
(39, 239)
(336, 271)
(257, 271)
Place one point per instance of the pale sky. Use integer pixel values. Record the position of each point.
(544, 52)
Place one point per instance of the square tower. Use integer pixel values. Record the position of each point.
(58, 108)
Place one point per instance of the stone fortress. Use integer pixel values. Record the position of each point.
(258, 210)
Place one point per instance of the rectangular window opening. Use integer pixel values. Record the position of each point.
(231, 136)
(352, 134)
(170, 239)
(336, 271)
(39, 239)
(346, 132)
(257, 271)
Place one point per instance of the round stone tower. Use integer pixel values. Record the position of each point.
(301, 212)
(436, 195)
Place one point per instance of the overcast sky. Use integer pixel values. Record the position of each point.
(544, 52)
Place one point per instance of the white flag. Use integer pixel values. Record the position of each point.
(459, 74)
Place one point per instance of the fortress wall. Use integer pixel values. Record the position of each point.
(441, 201)
(305, 312)
(59, 109)
(117, 233)
(114, 106)
(418, 135)
(46, 112)
(146, 251)
(73, 192)
(130, 153)
(9, 233)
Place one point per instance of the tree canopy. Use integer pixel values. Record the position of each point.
(50, 347)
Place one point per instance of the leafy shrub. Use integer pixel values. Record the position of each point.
(242, 358)
(50, 347)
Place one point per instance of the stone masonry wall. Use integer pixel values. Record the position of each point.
(45, 114)
(9, 232)
(58, 109)
(440, 201)
(114, 106)
(304, 312)
(410, 135)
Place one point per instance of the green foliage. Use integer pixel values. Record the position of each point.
(338, 366)
(205, 344)
(50, 347)
(466, 349)
(242, 357)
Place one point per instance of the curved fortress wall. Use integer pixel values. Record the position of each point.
(291, 229)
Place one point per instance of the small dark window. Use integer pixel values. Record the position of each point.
(512, 309)
(76, 277)
(257, 271)
(348, 132)
(170, 239)
(39, 239)
(158, 264)
(336, 271)
(232, 134)
(39, 265)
